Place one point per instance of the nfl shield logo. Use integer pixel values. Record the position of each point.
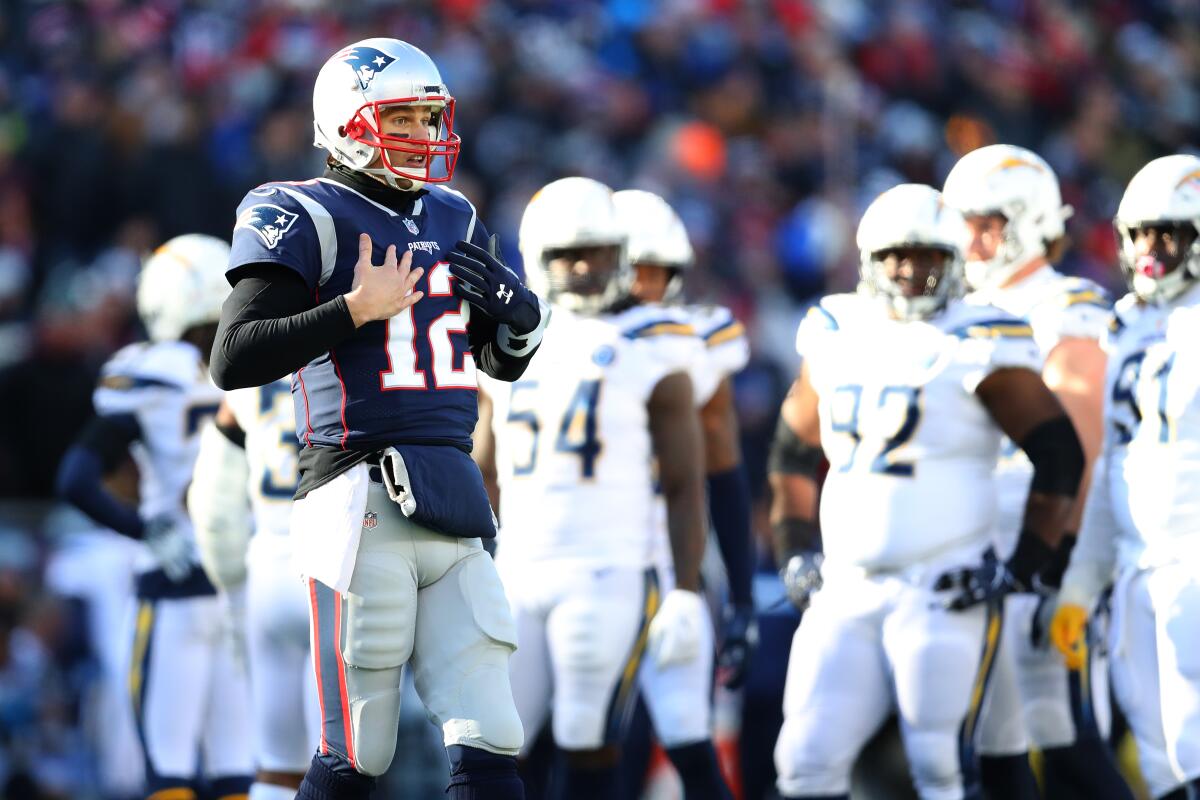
(412, 226)
(370, 520)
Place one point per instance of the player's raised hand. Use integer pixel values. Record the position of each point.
(381, 291)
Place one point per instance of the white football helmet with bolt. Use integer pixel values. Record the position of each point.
(1164, 193)
(183, 285)
(1019, 185)
(911, 215)
(569, 214)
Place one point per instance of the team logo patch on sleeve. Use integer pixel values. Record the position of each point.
(366, 62)
(268, 221)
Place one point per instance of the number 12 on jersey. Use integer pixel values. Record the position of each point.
(402, 372)
(576, 431)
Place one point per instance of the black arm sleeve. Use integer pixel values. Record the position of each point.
(269, 327)
(1057, 457)
(791, 456)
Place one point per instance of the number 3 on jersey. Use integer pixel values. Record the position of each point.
(892, 418)
(576, 432)
(402, 372)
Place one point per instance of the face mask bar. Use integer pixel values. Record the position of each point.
(364, 127)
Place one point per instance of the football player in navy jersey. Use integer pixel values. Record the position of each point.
(391, 510)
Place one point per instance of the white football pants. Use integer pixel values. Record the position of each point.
(871, 645)
(1155, 651)
(581, 632)
(284, 707)
(190, 694)
(419, 598)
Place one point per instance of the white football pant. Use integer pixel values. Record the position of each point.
(190, 694)
(420, 598)
(871, 645)
(679, 696)
(287, 716)
(581, 633)
(1029, 696)
(1155, 651)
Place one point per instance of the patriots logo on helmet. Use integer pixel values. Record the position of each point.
(268, 221)
(366, 62)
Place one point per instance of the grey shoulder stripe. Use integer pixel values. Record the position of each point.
(326, 234)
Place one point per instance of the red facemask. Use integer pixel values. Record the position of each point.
(364, 127)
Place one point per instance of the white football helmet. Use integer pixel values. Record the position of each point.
(568, 213)
(911, 215)
(356, 84)
(183, 285)
(1167, 190)
(1020, 185)
(656, 235)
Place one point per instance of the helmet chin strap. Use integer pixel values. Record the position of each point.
(384, 175)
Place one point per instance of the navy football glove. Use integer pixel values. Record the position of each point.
(486, 282)
(970, 586)
(739, 637)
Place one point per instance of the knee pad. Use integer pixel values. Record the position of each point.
(680, 720)
(1050, 723)
(807, 770)
(380, 623)
(463, 677)
(374, 717)
(934, 760)
(496, 726)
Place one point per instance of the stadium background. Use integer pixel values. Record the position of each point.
(769, 124)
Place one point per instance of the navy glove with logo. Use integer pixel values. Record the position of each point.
(970, 586)
(487, 283)
(739, 637)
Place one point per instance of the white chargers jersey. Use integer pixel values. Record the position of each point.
(1057, 307)
(911, 448)
(573, 448)
(166, 387)
(1144, 505)
(268, 417)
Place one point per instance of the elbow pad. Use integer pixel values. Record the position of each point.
(220, 509)
(1057, 457)
(791, 456)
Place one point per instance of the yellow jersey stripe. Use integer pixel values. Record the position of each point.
(174, 793)
(1085, 296)
(727, 333)
(997, 330)
(663, 328)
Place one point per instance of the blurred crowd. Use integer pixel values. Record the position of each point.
(769, 125)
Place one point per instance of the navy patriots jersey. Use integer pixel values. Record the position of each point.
(407, 379)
